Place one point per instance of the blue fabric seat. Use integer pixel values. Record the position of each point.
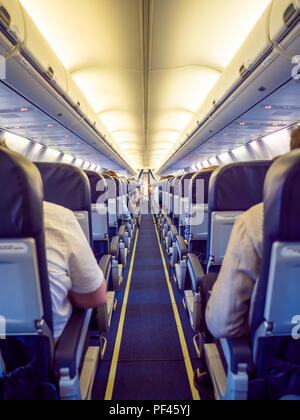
(266, 364)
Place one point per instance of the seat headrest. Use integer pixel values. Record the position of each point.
(202, 176)
(282, 199)
(237, 186)
(22, 212)
(281, 221)
(66, 185)
(21, 205)
(184, 184)
(98, 186)
(119, 189)
(111, 185)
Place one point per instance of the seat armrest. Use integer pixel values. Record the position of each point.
(66, 353)
(105, 265)
(114, 246)
(181, 246)
(240, 354)
(196, 271)
(174, 230)
(122, 231)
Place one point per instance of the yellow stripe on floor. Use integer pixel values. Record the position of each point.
(115, 359)
(184, 347)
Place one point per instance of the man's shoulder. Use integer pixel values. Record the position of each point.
(254, 215)
(57, 214)
(253, 221)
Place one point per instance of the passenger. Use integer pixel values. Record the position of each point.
(228, 309)
(210, 168)
(74, 275)
(111, 173)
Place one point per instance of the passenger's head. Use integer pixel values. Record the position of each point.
(295, 139)
(111, 173)
(210, 168)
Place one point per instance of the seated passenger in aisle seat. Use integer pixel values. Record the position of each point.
(228, 309)
(74, 275)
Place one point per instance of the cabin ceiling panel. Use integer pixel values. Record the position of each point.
(99, 42)
(145, 66)
(192, 42)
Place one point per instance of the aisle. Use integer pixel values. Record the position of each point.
(150, 365)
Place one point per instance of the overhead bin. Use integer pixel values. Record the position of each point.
(35, 72)
(79, 101)
(77, 98)
(282, 14)
(38, 49)
(255, 72)
(11, 17)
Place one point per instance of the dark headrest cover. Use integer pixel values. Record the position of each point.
(238, 186)
(205, 176)
(183, 182)
(111, 185)
(118, 186)
(22, 213)
(281, 220)
(21, 205)
(66, 185)
(98, 186)
(282, 199)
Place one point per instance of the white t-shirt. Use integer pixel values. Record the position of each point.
(71, 262)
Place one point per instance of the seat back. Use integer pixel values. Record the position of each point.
(276, 303)
(99, 198)
(120, 198)
(25, 299)
(197, 217)
(174, 190)
(184, 198)
(112, 201)
(69, 187)
(233, 189)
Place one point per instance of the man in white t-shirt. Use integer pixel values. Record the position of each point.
(74, 275)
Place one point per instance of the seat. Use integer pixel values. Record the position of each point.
(196, 225)
(113, 219)
(184, 188)
(123, 217)
(69, 186)
(266, 364)
(128, 210)
(36, 370)
(197, 214)
(233, 189)
(103, 244)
